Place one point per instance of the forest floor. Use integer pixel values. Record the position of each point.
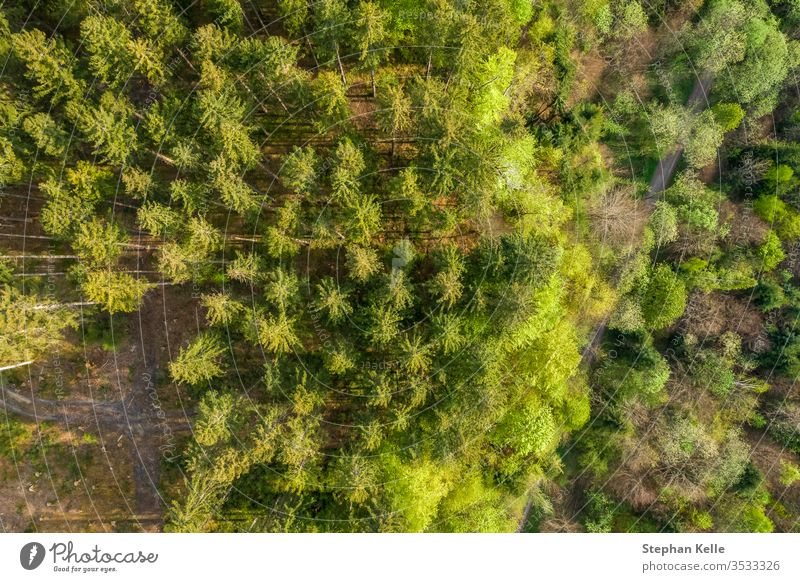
(135, 422)
(107, 408)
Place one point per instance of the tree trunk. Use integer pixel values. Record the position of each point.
(12, 366)
(341, 67)
(163, 158)
(39, 257)
(311, 50)
(59, 305)
(428, 68)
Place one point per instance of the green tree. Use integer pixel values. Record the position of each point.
(99, 243)
(277, 334)
(46, 134)
(370, 35)
(107, 127)
(299, 171)
(704, 141)
(668, 126)
(176, 262)
(664, 298)
(198, 362)
(362, 262)
(11, 167)
(49, 65)
(332, 301)
(664, 223)
(329, 95)
(29, 328)
(228, 13)
(294, 14)
(332, 21)
(158, 219)
(115, 290)
(728, 115)
(221, 309)
(394, 109)
(771, 252)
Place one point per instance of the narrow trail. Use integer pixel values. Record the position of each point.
(141, 410)
(698, 101)
(79, 412)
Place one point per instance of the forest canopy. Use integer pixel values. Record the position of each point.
(421, 272)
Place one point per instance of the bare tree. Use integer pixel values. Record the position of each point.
(617, 217)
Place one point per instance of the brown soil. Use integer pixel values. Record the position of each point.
(135, 428)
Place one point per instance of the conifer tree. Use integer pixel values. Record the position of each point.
(200, 361)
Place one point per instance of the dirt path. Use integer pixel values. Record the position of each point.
(698, 101)
(79, 412)
(145, 427)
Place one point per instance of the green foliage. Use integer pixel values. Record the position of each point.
(277, 334)
(695, 203)
(115, 55)
(228, 13)
(790, 473)
(728, 115)
(221, 309)
(115, 291)
(600, 513)
(107, 127)
(669, 126)
(294, 14)
(330, 100)
(664, 223)
(639, 376)
(370, 33)
(769, 295)
(49, 64)
(663, 299)
(332, 301)
(713, 373)
(747, 518)
(46, 134)
(157, 219)
(530, 430)
(29, 329)
(778, 214)
(704, 141)
(471, 505)
(743, 39)
(381, 210)
(99, 243)
(11, 167)
(362, 262)
(299, 171)
(771, 252)
(414, 490)
(13, 439)
(198, 362)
